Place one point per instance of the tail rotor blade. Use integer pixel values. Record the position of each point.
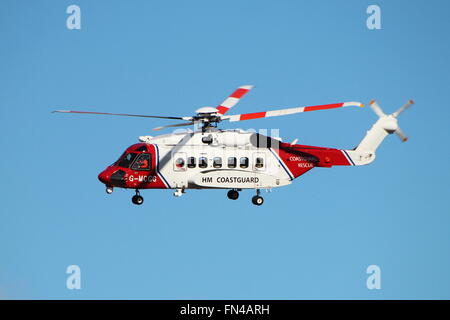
(376, 108)
(401, 135)
(403, 108)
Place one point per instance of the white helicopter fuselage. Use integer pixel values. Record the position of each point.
(223, 159)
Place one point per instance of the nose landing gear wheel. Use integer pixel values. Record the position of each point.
(257, 200)
(233, 195)
(137, 198)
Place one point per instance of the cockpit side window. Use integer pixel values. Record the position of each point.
(142, 162)
(126, 160)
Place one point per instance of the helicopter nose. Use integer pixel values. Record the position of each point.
(103, 177)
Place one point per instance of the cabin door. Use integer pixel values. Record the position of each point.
(179, 174)
(259, 166)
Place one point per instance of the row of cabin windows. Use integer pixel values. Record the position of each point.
(217, 162)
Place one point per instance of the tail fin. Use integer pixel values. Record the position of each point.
(364, 153)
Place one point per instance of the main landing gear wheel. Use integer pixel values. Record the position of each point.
(233, 195)
(257, 200)
(109, 190)
(137, 198)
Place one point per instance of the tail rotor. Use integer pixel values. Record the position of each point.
(389, 122)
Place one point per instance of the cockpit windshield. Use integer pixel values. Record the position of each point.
(126, 159)
(137, 161)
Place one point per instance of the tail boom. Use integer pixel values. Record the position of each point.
(363, 154)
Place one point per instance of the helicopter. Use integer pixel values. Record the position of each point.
(232, 159)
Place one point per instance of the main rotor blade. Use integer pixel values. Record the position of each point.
(173, 125)
(233, 99)
(121, 114)
(284, 112)
(403, 108)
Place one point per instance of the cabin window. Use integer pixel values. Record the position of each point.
(217, 162)
(232, 162)
(142, 162)
(244, 162)
(191, 162)
(179, 163)
(202, 162)
(259, 163)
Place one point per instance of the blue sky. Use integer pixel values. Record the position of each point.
(312, 239)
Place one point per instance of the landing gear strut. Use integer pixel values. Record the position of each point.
(257, 200)
(137, 198)
(233, 194)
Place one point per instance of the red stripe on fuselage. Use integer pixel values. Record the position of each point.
(159, 184)
(326, 157)
(296, 162)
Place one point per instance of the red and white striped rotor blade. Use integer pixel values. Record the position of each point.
(284, 112)
(234, 98)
